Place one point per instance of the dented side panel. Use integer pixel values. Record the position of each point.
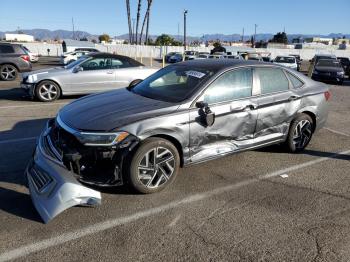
(232, 130)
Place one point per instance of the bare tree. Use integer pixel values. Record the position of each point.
(145, 19)
(138, 19)
(129, 20)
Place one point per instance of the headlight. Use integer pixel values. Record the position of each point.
(340, 73)
(101, 139)
(315, 72)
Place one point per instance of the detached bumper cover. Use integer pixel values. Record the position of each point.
(53, 188)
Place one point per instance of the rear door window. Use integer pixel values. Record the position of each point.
(272, 80)
(6, 49)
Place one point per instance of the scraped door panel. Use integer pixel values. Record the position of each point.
(229, 98)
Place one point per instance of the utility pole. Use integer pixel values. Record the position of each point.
(73, 28)
(185, 16)
(243, 35)
(255, 26)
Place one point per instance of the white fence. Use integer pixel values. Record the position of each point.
(157, 51)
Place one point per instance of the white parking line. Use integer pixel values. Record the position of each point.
(336, 132)
(31, 105)
(108, 224)
(18, 140)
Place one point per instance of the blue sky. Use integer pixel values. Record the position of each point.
(220, 16)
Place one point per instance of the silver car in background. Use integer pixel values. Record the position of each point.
(93, 73)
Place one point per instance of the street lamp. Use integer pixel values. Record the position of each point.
(185, 15)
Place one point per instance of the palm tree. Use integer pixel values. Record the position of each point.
(146, 18)
(129, 20)
(138, 19)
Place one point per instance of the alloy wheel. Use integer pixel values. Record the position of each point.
(302, 134)
(48, 92)
(156, 167)
(8, 72)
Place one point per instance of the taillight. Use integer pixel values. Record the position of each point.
(25, 58)
(327, 95)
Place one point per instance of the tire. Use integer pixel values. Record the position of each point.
(8, 72)
(300, 133)
(47, 91)
(153, 178)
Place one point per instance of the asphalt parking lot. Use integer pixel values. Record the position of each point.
(263, 205)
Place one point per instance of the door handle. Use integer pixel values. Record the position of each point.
(244, 108)
(293, 98)
(109, 72)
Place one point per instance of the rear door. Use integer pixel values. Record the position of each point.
(230, 98)
(97, 76)
(124, 73)
(278, 104)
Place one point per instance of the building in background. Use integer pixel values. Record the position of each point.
(19, 37)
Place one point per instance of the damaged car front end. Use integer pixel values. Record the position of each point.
(65, 159)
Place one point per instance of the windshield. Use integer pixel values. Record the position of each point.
(189, 53)
(77, 62)
(172, 84)
(328, 62)
(283, 59)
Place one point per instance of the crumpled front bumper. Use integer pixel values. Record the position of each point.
(53, 188)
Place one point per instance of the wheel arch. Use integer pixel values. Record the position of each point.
(51, 80)
(175, 142)
(313, 117)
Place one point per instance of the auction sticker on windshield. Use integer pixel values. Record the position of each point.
(195, 74)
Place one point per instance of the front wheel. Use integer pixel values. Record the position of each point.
(154, 165)
(300, 133)
(47, 91)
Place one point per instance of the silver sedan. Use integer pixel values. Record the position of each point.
(93, 73)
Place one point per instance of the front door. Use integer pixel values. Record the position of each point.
(230, 98)
(97, 75)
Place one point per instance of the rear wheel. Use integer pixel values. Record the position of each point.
(8, 72)
(154, 165)
(300, 133)
(47, 91)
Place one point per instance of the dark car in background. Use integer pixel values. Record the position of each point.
(183, 114)
(328, 70)
(345, 63)
(13, 59)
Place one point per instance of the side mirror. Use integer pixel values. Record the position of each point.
(78, 69)
(134, 83)
(207, 116)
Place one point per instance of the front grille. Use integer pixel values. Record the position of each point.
(50, 149)
(40, 179)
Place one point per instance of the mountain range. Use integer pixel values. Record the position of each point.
(45, 34)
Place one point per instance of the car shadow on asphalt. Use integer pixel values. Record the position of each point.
(17, 94)
(18, 204)
(281, 149)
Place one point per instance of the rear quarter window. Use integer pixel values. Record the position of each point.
(6, 49)
(296, 82)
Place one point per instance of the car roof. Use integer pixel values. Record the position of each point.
(220, 64)
(289, 56)
(109, 55)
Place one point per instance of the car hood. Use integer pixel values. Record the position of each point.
(111, 110)
(43, 72)
(328, 69)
